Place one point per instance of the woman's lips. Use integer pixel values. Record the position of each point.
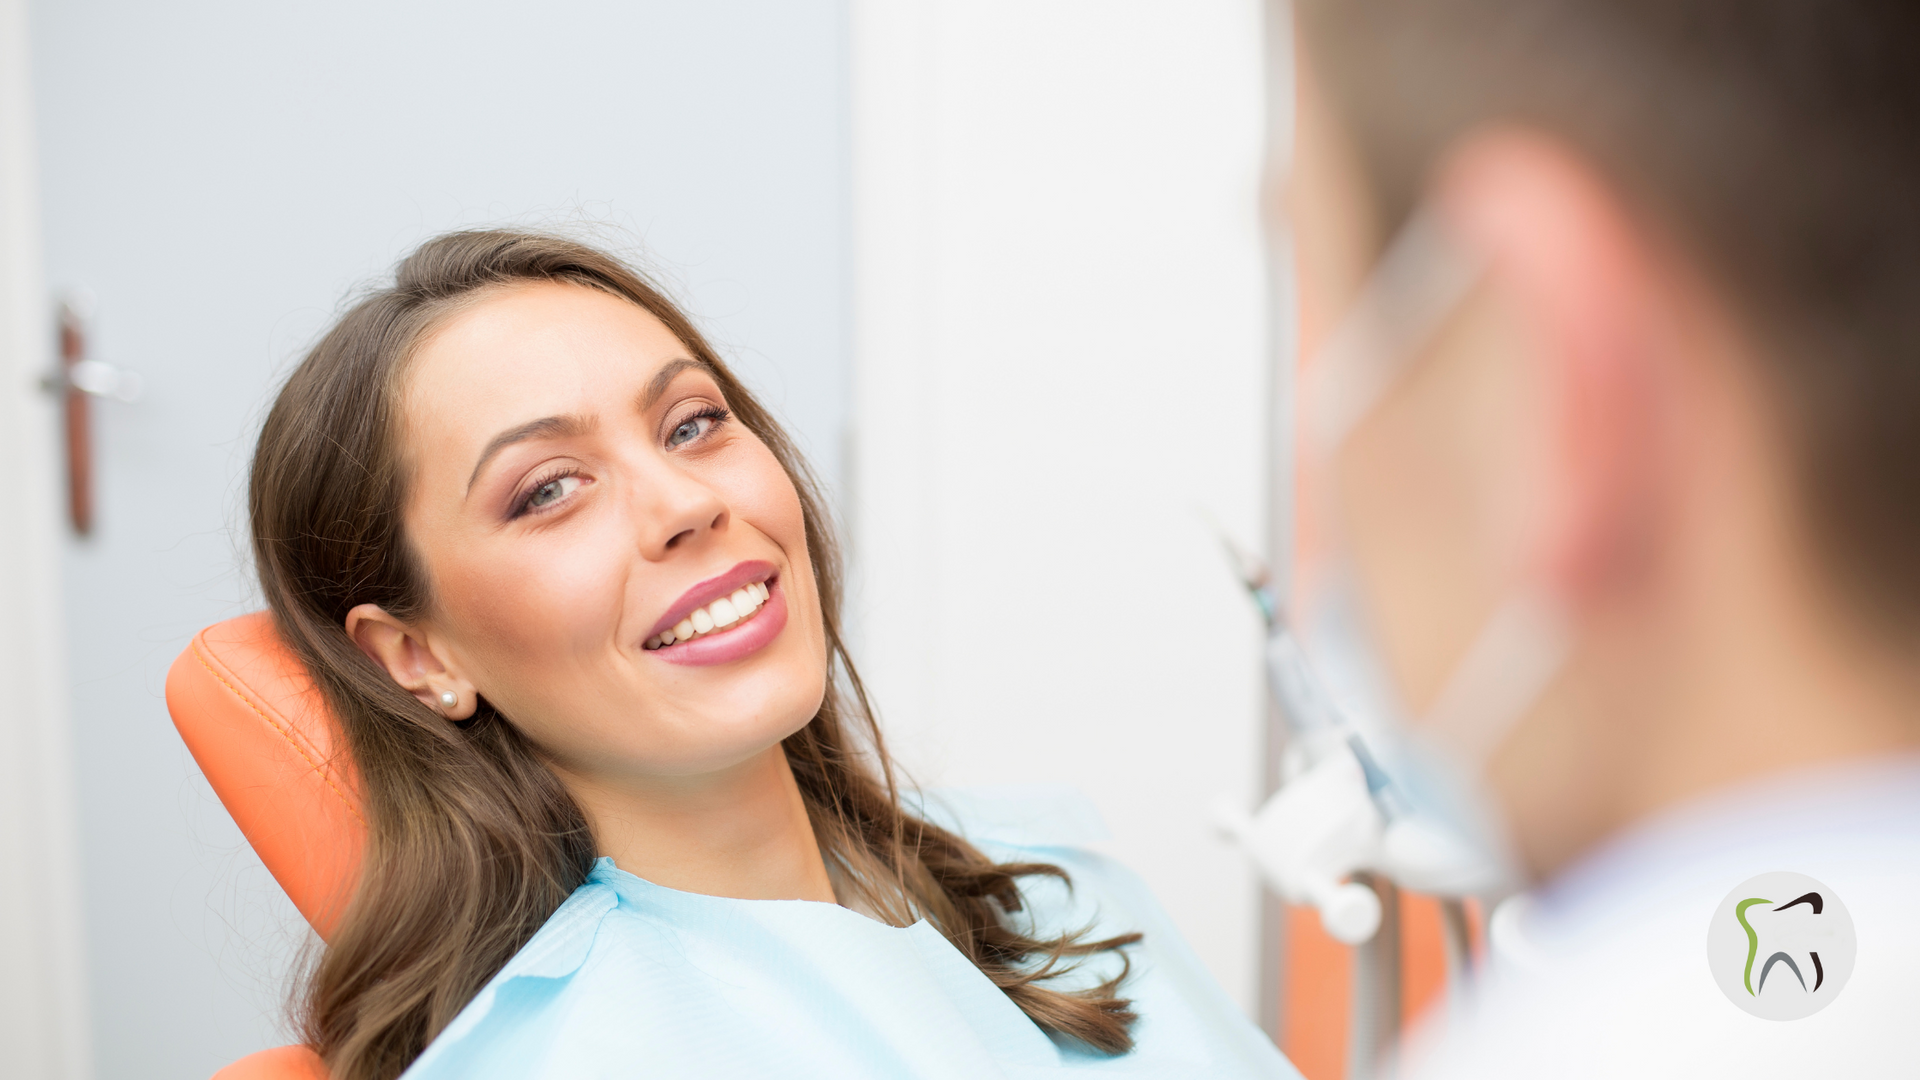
(714, 588)
(741, 639)
(738, 606)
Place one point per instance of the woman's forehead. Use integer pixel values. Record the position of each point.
(530, 334)
(529, 351)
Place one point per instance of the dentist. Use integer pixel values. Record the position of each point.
(1632, 506)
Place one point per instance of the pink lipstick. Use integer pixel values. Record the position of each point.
(721, 619)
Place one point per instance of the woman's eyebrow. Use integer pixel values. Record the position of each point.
(664, 378)
(547, 427)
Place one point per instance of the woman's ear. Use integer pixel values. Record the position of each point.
(412, 661)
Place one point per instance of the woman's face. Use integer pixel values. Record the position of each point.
(580, 495)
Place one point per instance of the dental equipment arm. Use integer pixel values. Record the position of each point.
(1336, 812)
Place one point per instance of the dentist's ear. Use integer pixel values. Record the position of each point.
(1597, 297)
(412, 661)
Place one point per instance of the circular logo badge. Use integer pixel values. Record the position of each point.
(1781, 946)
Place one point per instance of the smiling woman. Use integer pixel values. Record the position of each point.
(573, 596)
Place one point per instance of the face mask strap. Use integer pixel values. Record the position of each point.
(1517, 653)
(1424, 276)
(1420, 280)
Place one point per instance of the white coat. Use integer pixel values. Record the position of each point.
(1607, 975)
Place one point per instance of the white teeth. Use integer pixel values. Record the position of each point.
(722, 613)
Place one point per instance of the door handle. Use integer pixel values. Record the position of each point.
(77, 380)
(101, 379)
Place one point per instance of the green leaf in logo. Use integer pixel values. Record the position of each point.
(1753, 939)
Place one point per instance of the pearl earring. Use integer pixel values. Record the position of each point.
(448, 699)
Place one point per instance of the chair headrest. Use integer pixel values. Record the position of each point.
(262, 733)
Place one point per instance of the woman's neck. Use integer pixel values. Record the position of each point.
(743, 832)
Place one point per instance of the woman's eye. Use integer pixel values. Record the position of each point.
(690, 429)
(552, 491)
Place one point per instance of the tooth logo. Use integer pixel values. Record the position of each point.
(1781, 946)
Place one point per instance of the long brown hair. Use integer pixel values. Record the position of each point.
(473, 842)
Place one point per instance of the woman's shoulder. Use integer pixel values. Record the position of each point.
(498, 1019)
(1053, 825)
(1058, 826)
(1188, 1024)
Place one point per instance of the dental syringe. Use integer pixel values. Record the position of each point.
(1314, 722)
(1334, 803)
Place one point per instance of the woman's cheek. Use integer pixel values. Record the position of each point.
(761, 495)
(787, 526)
(528, 602)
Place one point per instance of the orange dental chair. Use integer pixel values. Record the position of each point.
(264, 737)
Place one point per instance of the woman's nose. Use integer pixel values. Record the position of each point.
(675, 510)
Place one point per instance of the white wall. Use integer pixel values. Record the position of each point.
(1060, 361)
(42, 1008)
(219, 173)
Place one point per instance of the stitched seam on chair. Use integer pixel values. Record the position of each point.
(284, 733)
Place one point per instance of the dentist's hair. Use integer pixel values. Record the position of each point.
(1778, 141)
(473, 842)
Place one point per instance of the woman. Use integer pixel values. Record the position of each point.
(573, 597)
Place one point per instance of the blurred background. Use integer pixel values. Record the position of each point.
(998, 263)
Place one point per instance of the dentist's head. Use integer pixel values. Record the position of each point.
(1674, 402)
